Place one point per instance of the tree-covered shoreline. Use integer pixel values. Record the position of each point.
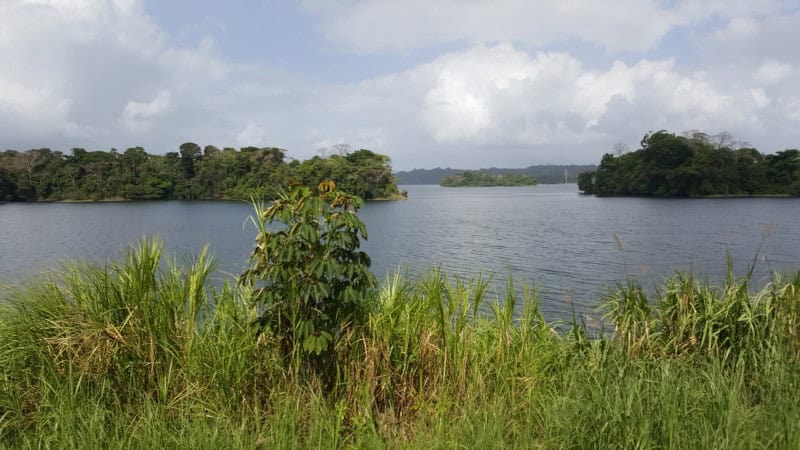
(543, 173)
(694, 165)
(486, 179)
(192, 173)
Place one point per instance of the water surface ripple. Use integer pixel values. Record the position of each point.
(549, 235)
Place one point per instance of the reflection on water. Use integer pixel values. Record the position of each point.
(549, 235)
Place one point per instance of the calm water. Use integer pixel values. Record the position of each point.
(549, 235)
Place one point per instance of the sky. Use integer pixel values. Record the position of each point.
(449, 83)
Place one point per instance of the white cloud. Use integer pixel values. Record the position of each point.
(505, 97)
(101, 73)
(252, 134)
(771, 72)
(739, 27)
(499, 105)
(760, 98)
(58, 56)
(32, 102)
(792, 109)
(138, 116)
(750, 41)
(375, 25)
(372, 26)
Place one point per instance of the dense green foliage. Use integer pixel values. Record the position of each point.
(544, 174)
(8, 188)
(694, 165)
(131, 355)
(312, 277)
(191, 173)
(486, 179)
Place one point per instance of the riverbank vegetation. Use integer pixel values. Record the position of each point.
(486, 179)
(306, 350)
(191, 173)
(128, 355)
(694, 164)
(543, 174)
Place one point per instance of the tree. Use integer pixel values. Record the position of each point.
(312, 280)
(723, 139)
(661, 161)
(606, 178)
(486, 179)
(750, 170)
(586, 182)
(42, 174)
(783, 168)
(8, 188)
(693, 164)
(341, 149)
(209, 151)
(133, 159)
(190, 152)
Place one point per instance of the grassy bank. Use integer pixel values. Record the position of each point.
(133, 355)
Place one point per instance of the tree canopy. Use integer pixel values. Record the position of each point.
(486, 179)
(694, 164)
(190, 173)
(543, 174)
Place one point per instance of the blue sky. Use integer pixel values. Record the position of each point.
(461, 83)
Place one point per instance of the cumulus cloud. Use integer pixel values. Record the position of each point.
(30, 103)
(138, 116)
(98, 73)
(102, 73)
(538, 107)
(501, 95)
(754, 39)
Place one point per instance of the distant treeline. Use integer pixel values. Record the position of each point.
(694, 164)
(191, 173)
(545, 174)
(485, 179)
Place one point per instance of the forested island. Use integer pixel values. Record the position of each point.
(544, 174)
(694, 164)
(486, 179)
(192, 173)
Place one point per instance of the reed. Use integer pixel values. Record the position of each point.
(147, 353)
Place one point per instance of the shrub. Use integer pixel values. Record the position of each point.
(312, 281)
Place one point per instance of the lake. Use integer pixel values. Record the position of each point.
(548, 235)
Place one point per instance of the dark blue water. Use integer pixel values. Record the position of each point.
(548, 235)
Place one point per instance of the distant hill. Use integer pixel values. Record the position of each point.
(544, 174)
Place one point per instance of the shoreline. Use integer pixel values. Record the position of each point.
(394, 197)
(673, 197)
(404, 377)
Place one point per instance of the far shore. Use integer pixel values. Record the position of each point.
(718, 196)
(121, 200)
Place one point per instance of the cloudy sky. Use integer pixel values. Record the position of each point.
(461, 83)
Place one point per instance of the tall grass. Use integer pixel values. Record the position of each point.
(139, 354)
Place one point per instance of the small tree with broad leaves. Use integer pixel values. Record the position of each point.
(311, 280)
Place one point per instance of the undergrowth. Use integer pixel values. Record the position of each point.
(148, 354)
